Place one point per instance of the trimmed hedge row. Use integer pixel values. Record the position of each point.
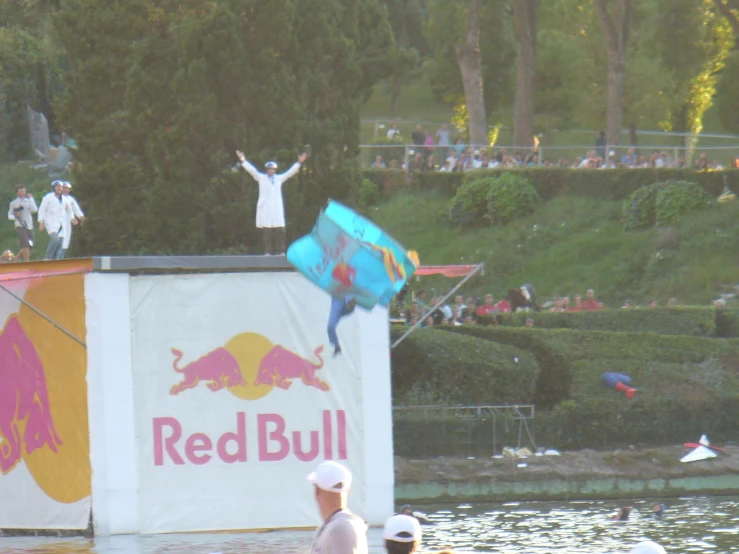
(432, 367)
(686, 385)
(611, 184)
(695, 321)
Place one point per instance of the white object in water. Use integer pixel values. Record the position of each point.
(522, 464)
(552, 452)
(700, 453)
(704, 441)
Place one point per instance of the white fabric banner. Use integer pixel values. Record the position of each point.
(237, 397)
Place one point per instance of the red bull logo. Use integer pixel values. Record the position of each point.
(249, 366)
(345, 275)
(26, 424)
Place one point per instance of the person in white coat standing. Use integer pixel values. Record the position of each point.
(75, 216)
(270, 207)
(51, 214)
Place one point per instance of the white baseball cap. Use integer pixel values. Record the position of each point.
(331, 477)
(402, 528)
(271, 165)
(648, 547)
(67, 185)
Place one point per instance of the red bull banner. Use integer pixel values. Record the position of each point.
(44, 439)
(238, 397)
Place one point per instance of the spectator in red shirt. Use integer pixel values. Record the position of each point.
(488, 307)
(504, 306)
(591, 303)
(578, 305)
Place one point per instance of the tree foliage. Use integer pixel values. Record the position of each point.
(162, 94)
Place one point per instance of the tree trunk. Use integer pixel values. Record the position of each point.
(526, 16)
(633, 139)
(615, 110)
(616, 27)
(470, 66)
(397, 86)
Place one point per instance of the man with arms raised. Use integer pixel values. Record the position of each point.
(270, 207)
(342, 532)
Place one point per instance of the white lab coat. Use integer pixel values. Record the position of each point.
(270, 209)
(75, 211)
(53, 211)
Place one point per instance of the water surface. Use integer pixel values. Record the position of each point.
(690, 525)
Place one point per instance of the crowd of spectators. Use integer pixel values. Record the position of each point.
(436, 152)
(468, 311)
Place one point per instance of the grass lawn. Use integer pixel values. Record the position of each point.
(571, 244)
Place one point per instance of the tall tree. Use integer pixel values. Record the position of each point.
(694, 41)
(730, 10)
(470, 66)
(526, 16)
(616, 24)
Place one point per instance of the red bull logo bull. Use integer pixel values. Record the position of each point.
(26, 424)
(345, 275)
(233, 367)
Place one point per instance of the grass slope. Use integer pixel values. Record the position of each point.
(571, 244)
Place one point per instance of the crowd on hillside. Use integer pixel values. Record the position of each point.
(437, 153)
(468, 311)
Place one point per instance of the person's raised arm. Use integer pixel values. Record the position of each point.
(296, 166)
(250, 169)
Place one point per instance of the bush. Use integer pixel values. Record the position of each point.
(640, 208)
(433, 367)
(611, 184)
(727, 323)
(469, 205)
(365, 193)
(686, 386)
(690, 320)
(679, 198)
(554, 378)
(510, 197)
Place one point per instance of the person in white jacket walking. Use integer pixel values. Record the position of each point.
(75, 216)
(54, 208)
(19, 212)
(270, 207)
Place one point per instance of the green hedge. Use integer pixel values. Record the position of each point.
(695, 321)
(686, 385)
(433, 367)
(555, 372)
(611, 184)
(727, 323)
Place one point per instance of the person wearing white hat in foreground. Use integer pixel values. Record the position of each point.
(648, 547)
(402, 535)
(270, 208)
(342, 532)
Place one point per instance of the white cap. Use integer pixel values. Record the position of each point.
(648, 547)
(67, 185)
(271, 165)
(331, 477)
(407, 525)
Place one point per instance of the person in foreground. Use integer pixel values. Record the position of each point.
(648, 547)
(402, 535)
(342, 532)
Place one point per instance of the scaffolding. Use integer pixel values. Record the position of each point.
(521, 414)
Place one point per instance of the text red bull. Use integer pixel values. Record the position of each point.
(275, 442)
(24, 399)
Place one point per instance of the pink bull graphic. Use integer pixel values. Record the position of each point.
(219, 367)
(280, 366)
(24, 399)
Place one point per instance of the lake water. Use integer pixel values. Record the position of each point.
(694, 524)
